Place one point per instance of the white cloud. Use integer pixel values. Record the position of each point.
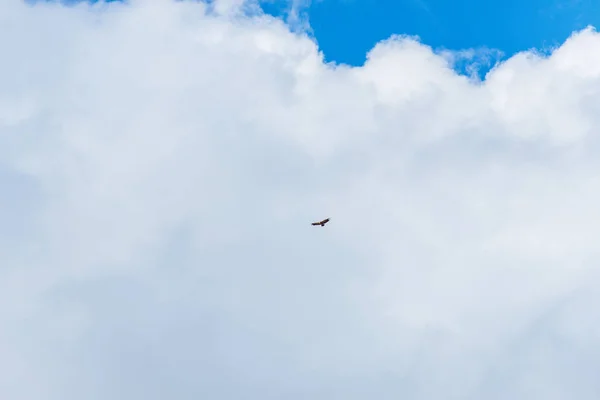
(160, 168)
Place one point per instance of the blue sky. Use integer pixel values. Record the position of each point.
(347, 29)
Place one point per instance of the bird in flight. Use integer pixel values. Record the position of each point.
(322, 223)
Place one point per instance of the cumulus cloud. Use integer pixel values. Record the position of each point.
(161, 162)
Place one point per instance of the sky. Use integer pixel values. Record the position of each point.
(347, 29)
(161, 163)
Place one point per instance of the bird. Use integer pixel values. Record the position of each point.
(322, 223)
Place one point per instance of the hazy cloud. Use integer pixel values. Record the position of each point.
(161, 166)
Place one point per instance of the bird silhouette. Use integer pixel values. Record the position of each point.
(322, 223)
